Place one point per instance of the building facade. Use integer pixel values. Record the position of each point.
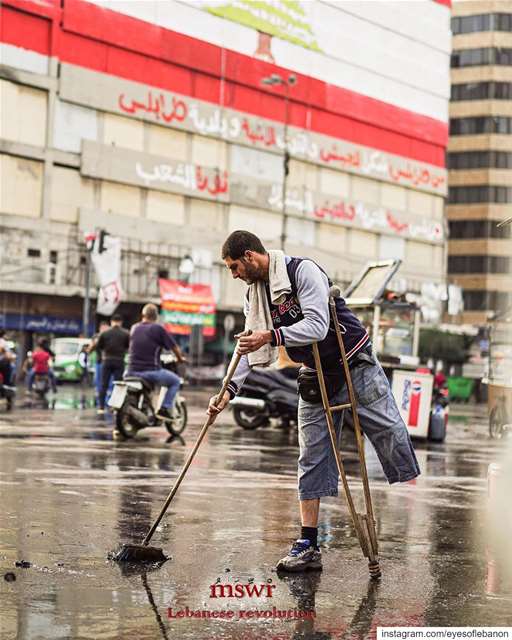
(152, 121)
(480, 156)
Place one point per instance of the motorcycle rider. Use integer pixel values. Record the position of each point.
(9, 359)
(5, 366)
(147, 339)
(41, 366)
(300, 318)
(439, 380)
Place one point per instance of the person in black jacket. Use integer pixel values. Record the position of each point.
(113, 345)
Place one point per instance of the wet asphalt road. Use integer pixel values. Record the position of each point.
(70, 494)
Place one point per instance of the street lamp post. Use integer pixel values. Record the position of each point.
(276, 79)
(86, 309)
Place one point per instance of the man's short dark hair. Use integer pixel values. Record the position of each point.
(117, 317)
(239, 242)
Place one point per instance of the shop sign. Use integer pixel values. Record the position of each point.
(154, 172)
(40, 324)
(338, 209)
(185, 305)
(133, 99)
(142, 169)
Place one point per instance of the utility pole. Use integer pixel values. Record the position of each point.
(87, 299)
(276, 79)
(286, 166)
(86, 309)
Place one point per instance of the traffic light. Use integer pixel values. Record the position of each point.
(101, 240)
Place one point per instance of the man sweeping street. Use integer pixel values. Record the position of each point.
(287, 305)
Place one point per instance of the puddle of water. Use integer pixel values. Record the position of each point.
(69, 497)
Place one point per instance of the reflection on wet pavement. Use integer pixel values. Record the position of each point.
(70, 494)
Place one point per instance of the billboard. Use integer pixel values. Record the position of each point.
(184, 305)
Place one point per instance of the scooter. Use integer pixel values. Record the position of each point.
(41, 385)
(266, 394)
(439, 414)
(136, 402)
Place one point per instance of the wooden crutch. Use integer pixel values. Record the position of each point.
(364, 524)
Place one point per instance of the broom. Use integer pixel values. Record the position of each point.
(143, 552)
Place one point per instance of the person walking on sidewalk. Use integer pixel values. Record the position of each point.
(104, 326)
(147, 340)
(113, 345)
(287, 305)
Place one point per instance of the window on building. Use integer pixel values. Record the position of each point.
(501, 22)
(471, 91)
(484, 22)
(477, 194)
(472, 229)
(480, 124)
(502, 124)
(478, 264)
(504, 233)
(501, 90)
(53, 257)
(476, 300)
(502, 56)
(34, 253)
(480, 57)
(481, 91)
(500, 160)
(466, 264)
(469, 24)
(466, 160)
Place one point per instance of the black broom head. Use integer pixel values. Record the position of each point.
(138, 553)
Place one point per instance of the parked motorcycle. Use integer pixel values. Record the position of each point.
(439, 414)
(136, 402)
(272, 393)
(267, 394)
